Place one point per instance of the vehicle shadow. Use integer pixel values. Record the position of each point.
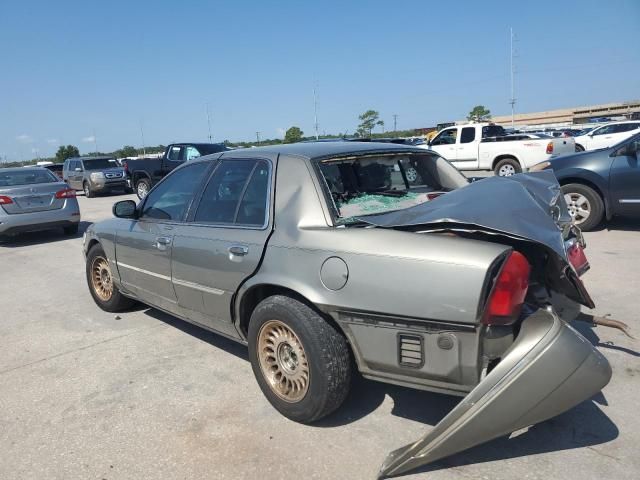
(626, 224)
(45, 236)
(583, 426)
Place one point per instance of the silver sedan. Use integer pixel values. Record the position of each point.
(33, 199)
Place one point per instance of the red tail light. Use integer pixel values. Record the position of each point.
(549, 148)
(509, 291)
(432, 195)
(578, 259)
(4, 200)
(66, 193)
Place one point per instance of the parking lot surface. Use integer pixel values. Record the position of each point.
(85, 394)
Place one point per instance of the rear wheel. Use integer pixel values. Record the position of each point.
(100, 280)
(302, 362)
(142, 188)
(579, 148)
(87, 190)
(585, 205)
(507, 167)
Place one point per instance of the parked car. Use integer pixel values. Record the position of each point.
(94, 175)
(600, 184)
(483, 146)
(279, 249)
(606, 136)
(144, 173)
(55, 168)
(33, 199)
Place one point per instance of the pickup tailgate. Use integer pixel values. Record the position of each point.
(562, 146)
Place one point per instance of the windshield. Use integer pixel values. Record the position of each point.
(12, 178)
(99, 163)
(373, 184)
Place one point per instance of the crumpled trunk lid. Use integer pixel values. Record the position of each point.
(526, 210)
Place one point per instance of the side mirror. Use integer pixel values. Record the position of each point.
(125, 209)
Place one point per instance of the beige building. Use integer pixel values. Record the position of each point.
(570, 116)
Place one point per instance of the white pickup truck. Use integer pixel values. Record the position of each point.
(483, 146)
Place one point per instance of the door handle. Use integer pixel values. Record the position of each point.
(162, 243)
(239, 250)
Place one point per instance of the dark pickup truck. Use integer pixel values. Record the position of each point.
(144, 173)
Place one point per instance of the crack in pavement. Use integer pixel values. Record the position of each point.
(85, 347)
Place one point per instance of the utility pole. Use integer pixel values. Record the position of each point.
(395, 122)
(144, 150)
(258, 137)
(209, 123)
(513, 96)
(315, 111)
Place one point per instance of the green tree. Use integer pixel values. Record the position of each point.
(293, 135)
(66, 152)
(368, 121)
(126, 151)
(479, 114)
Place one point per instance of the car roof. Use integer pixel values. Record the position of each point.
(100, 157)
(314, 150)
(24, 169)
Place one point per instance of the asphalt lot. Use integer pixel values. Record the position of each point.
(85, 394)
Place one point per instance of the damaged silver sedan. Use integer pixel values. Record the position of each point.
(326, 257)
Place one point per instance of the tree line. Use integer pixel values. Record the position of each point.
(369, 120)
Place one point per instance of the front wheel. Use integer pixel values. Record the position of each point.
(88, 193)
(585, 205)
(100, 280)
(507, 167)
(301, 361)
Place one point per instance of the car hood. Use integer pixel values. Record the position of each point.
(522, 209)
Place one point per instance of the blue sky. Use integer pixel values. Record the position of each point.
(70, 69)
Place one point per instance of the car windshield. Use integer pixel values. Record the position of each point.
(14, 178)
(99, 163)
(373, 184)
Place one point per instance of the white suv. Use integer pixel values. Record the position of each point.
(606, 135)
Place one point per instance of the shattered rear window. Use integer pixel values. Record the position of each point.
(367, 185)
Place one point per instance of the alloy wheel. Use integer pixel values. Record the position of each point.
(411, 174)
(579, 207)
(101, 279)
(142, 190)
(506, 170)
(283, 361)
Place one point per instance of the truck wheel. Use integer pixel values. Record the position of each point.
(87, 190)
(142, 187)
(579, 148)
(507, 167)
(100, 281)
(301, 362)
(585, 205)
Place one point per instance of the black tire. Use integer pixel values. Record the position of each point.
(144, 184)
(115, 302)
(579, 148)
(72, 230)
(507, 167)
(128, 190)
(593, 200)
(328, 360)
(86, 186)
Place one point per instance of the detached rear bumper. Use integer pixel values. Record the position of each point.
(549, 369)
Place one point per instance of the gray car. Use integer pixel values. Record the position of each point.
(94, 175)
(34, 199)
(323, 258)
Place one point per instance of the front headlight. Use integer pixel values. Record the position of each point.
(97, 176)
(539, 166)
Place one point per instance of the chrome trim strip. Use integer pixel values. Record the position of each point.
(141, 270)
(197, 286)
(629, 200)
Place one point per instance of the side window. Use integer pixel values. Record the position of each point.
(171, 198)
(236, 193)
(446, 137)
(192, 153)
(604, 130)
(175, 153)
(468, 135)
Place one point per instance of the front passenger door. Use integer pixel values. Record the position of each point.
(624, 181)
(144, 247)
(445, 143)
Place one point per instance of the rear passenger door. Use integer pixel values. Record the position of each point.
(222, 242)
